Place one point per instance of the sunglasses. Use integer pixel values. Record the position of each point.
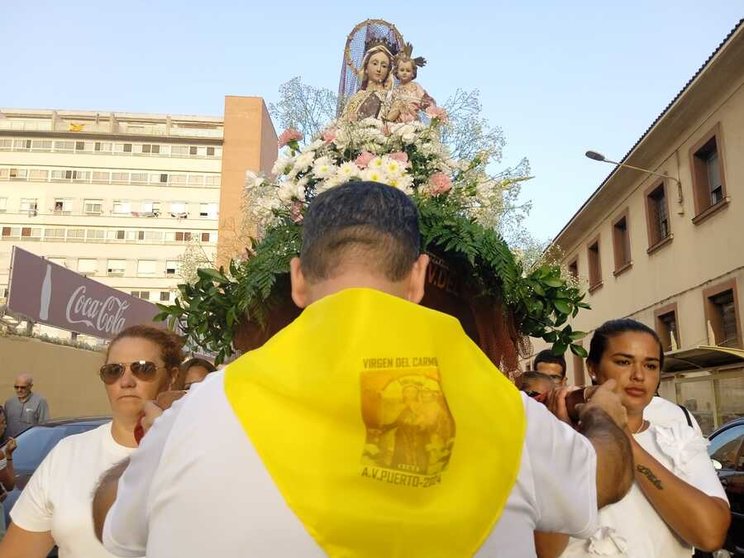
(21, 387)
(142, 370)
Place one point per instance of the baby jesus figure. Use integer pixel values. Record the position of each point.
(408, 98)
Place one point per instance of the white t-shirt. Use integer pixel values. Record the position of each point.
(631, 527)
(665, 413)
(196, 487)
(59, 495)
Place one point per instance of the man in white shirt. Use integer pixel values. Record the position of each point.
(199, 486)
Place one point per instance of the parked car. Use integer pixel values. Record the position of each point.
(35, 443)
(726, 449)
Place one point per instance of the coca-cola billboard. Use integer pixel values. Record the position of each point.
(44, 292)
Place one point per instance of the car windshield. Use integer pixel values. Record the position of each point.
(36, 442)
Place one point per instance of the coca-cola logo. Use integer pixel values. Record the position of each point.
(105, 316)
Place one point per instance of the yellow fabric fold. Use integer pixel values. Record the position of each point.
(387, 431)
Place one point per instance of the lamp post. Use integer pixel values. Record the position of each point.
(595, 156)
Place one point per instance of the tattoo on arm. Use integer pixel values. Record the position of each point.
(649, 474)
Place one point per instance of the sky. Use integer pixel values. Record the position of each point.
(558, 77)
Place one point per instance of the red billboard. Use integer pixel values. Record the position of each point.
(44, 292)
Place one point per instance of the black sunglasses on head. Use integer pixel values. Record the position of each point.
(142, 370)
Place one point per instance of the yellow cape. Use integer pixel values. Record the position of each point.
(386, 429)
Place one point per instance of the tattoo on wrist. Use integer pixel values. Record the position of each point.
(649, 474)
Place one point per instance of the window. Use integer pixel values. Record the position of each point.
(146, 267)
(657, 216)
(208, 210)
(151, 208)
(41, 145)
(721, 313)
(144, 295)
(64, 145)
(102, 176)
(666, 327)
(163, 178)
(138, 178)
(120, 234)
(164, 296)
(62, 206)
(79, 146)
(87, 266)
(573, 268)
(57, 234)
(30, 206)
(595, 267)
(31, 233)
(75, 235)
(192, 150)
(18, 174)
(127, 148)
(172, 267)
(205, 237)
(93, 207)
(621, 243)
(182, 236)
(210, 151)
(179, 150)
(122, 207)
(178, 209)
(708, 180)
(150, 148)
(9, 232)
(116, 267)
(95, 235)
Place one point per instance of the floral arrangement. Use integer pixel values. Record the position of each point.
(459, 205)
(409, 156)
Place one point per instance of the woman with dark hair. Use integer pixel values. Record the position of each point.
(193, 371)
(55, 506)
(676, 501)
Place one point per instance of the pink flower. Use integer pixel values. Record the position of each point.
(364, 158)
(440, 183)
(400, 156)
(329, 135)
(437, 113)
(288, 136)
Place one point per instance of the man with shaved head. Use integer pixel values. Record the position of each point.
(26, 408)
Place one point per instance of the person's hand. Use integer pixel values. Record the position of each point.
(556, 402)
(604, 397)
(10, 447)
(153, 409)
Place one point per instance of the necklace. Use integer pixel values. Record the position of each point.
(643, 424)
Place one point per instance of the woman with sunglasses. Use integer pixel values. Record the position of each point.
(55, 506)
(676, 501)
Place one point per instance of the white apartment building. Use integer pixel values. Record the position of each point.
(114, 196)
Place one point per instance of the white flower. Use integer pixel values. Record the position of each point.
(253, 180)
(392, 167)
(290, 191)
(323, 167)
(331, 182)
(374, 174)
(376, 163)
(282, 165)
(303, 162)
(317, 144)
(403, 182)
(347, 171)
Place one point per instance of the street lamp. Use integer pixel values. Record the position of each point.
(595, 156)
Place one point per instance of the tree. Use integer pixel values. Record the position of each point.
(304, 107)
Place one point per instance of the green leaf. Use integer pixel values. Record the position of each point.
(576, 335)
(562, 305)
(578, 350)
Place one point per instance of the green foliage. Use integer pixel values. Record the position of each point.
(541, 300)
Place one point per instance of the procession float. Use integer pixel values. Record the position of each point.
(389, 129)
